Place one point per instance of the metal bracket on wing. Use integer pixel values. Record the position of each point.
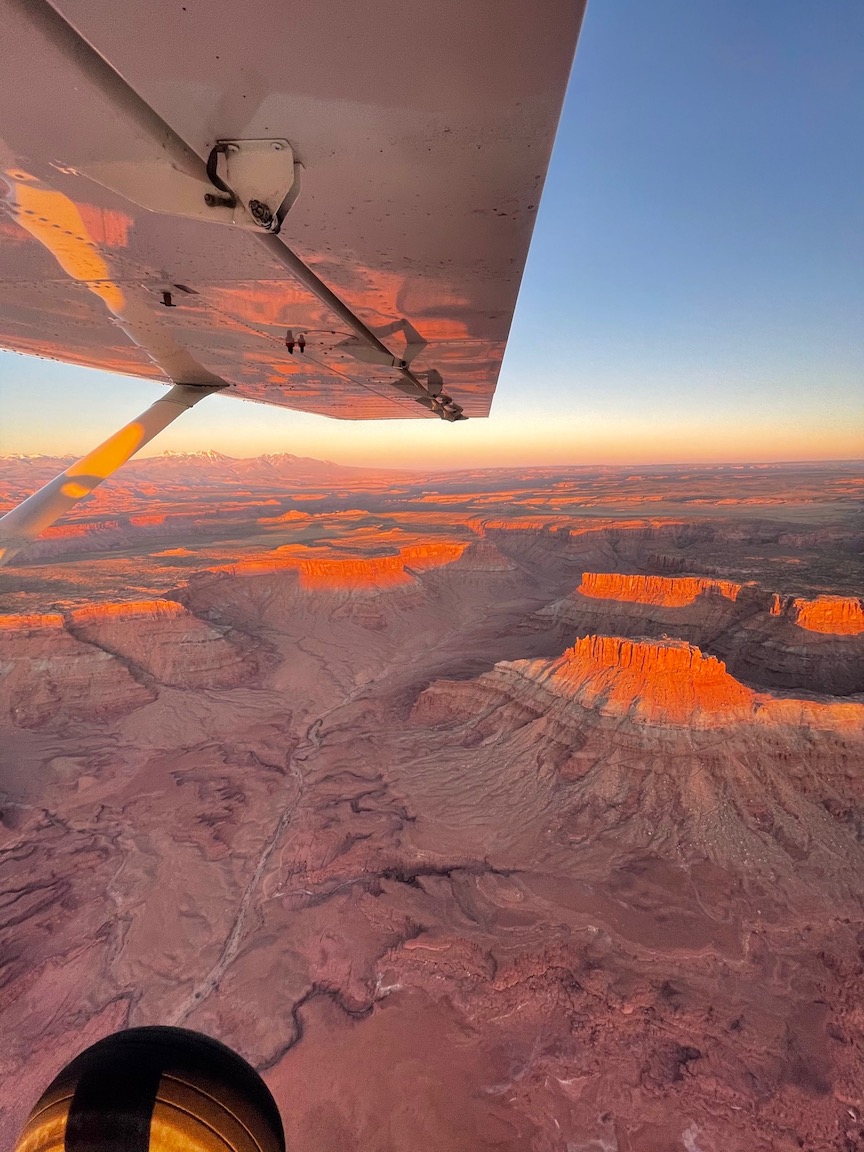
(430, 393)
(369, 354)
(247, 183)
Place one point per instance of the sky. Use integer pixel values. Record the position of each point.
(695, 286)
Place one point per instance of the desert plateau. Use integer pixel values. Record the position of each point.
(513, 809)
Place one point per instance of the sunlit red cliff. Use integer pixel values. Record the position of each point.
(673, 593)
(834, 615)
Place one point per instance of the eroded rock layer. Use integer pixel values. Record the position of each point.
(835, 615)
(671, 593)
(48, 675)
(454, 845)
(108, 658)
(762, 637)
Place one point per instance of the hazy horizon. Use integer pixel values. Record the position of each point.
(154, 452)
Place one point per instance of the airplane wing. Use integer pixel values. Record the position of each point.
(323, 206)
(399, 150)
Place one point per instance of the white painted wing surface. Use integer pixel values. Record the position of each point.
(421, 134)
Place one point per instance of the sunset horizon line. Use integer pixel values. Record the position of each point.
(719, 462)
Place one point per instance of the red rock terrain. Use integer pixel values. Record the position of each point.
(666, 682)
(447, 837)
(759, 634)
(100, 660)
(835, 615)
(653, 589)
(48, 674)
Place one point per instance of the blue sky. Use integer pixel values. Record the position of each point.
(695, 288)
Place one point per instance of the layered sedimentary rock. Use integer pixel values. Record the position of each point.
(319, 568)
(659, 744)
(660, 590)
(561, 543)
(165, 640)
(47, 675)
(758, 634)
(653, 682)
(665, 682)
(380, 591)
(510, 891)
(833, 615)
(108, 659)
(779, 653)
(480, 570)
(279, 595)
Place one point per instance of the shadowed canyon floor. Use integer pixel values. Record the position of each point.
(504, 824)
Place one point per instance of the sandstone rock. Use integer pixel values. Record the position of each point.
(660, 682)
(605, 896)
(757, 633)
(109, 658)
(671, 593)
(48, 676)
(834, 615)
(165, 640)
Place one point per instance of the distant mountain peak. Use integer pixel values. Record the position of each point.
(208, 454)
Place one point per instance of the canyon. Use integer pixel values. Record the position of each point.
(519, 814)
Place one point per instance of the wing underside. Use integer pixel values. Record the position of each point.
(420, 132)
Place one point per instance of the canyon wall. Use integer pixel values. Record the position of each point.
(660, 590)
(462, 819)
(762, 637)
(110, 658)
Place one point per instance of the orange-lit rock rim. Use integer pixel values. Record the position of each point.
(668, 591)
(834, 615)
(672, 683)
(127, 610)
(94, 613)
(666, 681)
(352, 572)
(30, 622)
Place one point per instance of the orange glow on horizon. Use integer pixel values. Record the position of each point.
(506, 440)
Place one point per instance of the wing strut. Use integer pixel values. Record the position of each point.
(40, 510)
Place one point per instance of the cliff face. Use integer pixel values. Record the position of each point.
(605, 896)
(319, 570)
(47, 676)
(353, 575)
(165, 640)
(660, 590)
(276, 597)
(657, 746)
(664, 683)
(763, 638)
(692, 608)
(397, 592)
(109, 659)
(660, 682)
(833, 615)
(359, 573)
